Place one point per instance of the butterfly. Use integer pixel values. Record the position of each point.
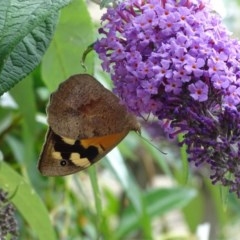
(86, 121)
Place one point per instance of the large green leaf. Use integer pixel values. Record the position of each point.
(73, 35)
(27, 202)
(26, 28)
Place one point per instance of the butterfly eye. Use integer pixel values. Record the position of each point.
(63, 163)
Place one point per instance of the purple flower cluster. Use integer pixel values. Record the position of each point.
(175, 60)
(8, 223)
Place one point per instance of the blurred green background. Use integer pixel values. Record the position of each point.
(136, 191)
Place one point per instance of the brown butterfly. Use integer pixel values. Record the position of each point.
(86, 121)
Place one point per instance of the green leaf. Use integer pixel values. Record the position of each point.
(73, 35)
(117, 166)
(156, 154)
(24, 96)
(27, 202)
(105, 3)
(97, 196)
(28, 111)
(158, 202)
(26, 28)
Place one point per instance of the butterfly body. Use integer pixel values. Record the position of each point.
(86, 121)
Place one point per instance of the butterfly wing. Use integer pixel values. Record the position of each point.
(82, 108)
(86, 121)
(62, 156)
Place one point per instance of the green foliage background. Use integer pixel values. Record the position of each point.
(41, 44)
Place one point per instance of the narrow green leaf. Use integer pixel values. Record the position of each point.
(26, 28)
(27, 202)
(158, 202)
(24, 96)
(97, 197)
(74, 33)
(116, 164)
(105, 3)
(156, 154)
(28, 111)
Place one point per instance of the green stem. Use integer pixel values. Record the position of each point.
(97, 197)
(184, 158)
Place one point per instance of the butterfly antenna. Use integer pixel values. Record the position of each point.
(148, 141)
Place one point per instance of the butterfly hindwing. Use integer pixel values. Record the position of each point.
(62, 156)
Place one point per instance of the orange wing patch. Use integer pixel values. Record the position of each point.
(104, 143)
